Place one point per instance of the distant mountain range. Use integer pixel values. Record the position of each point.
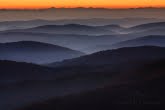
(75, 42)
(148, 26)
(151, 40)
(8, 25)
(35, 52)
(88, 39)
(67, 29)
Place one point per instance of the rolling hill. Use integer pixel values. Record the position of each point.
(76, 42)
(35, 52)
(147, 27)
(76, 36)
(152, 40)
(132, 79)
(23, 24)
(66, 29)
(20, 71)
(112, 76)
(115, 57)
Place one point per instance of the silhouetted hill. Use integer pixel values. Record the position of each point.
(35, 52)
(130, 82)
(113, 76)
(150, 25)
(126, 22)
(116, 57)
(157, 31)
(22, 24)
(20, 71)
(88, 43)
(67, 29)
(147, 27)
(152, 40)
(76, 42)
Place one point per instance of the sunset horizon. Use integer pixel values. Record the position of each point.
(108, 8)
(118, 4)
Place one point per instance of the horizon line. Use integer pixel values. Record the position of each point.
(48, 8)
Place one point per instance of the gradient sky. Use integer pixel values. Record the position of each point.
(81, 3)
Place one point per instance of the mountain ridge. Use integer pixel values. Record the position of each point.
(35, 52)
(152, 40)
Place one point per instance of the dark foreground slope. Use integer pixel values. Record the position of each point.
(19, 71)
(25, 83)
(146, 88)
(115, 57)
(129, 78)
(35, 52)
(143, 86)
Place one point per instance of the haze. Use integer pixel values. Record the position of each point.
(80, 13)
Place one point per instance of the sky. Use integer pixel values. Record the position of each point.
(30, 4)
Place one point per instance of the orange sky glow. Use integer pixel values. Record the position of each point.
(29, 4)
